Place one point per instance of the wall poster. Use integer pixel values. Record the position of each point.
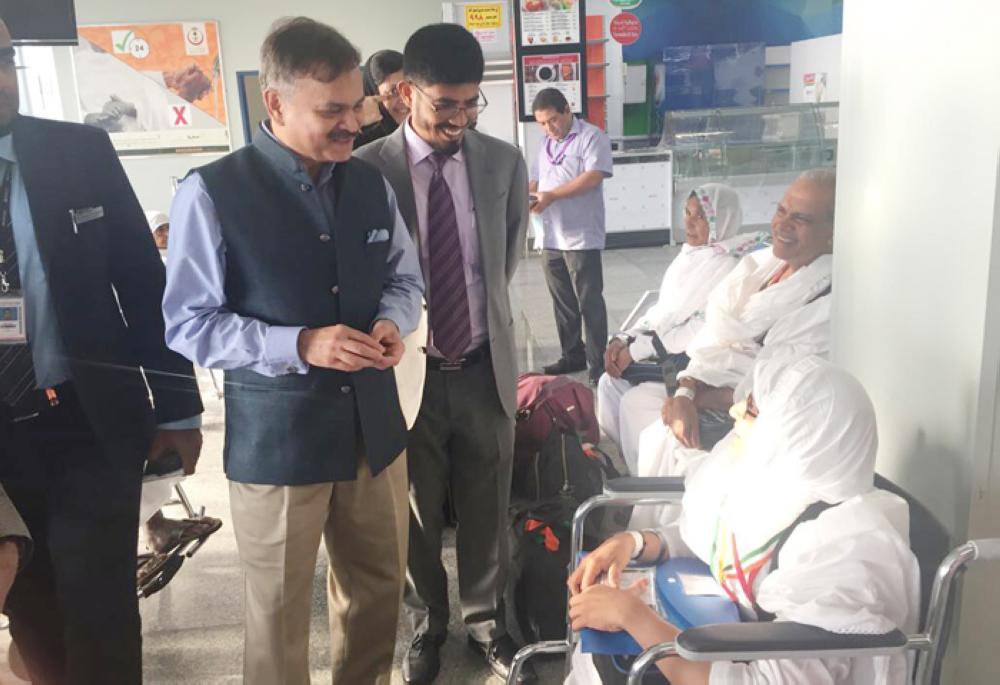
(549, 22)
(560, 71)
(550, 52)
(155, 88)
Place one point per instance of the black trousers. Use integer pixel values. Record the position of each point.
(576, 283)
(73, 609)
(462, 444)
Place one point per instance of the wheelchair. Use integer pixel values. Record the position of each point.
(939, 572)
(156, 570)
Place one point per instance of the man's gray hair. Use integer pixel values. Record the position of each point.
(826, 178)
(300, 47)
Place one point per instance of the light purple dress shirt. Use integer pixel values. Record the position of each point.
(418, 153)
(201, 327)
(576, 223)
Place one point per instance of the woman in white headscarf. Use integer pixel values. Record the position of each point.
(848, 570)
(712, 219)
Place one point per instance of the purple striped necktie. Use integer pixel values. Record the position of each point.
(449, 297)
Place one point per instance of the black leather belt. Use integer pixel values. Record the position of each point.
(474, 357)
(39, 401)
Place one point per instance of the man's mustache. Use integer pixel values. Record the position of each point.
(343, 135)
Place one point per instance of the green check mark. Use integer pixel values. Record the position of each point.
(123, 46)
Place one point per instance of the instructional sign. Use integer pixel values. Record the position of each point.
(155, 88)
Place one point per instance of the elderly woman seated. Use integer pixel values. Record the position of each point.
(712, 248)
(773, 302)
(805, 436)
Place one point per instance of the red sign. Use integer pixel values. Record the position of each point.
(626, 28)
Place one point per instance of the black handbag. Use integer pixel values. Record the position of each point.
(663, 369)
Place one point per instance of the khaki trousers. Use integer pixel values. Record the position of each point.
(364, 524)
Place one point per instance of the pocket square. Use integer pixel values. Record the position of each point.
(377, 235)
(85, 214)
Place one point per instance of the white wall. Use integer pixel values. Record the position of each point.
(816, 56)
(243, 24)
(916, 308)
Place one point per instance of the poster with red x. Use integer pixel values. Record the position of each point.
(155, 88)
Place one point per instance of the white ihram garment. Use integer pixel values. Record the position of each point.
(850, 570)
(803, 332)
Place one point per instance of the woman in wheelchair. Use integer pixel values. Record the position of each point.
(795, 475)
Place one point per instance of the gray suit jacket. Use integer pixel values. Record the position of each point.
(499, 182)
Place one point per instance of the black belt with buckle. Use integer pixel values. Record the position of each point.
(34, 403)
(474, 357)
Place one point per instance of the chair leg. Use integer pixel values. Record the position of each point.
(528, 651)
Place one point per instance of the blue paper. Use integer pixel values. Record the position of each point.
(680, 609)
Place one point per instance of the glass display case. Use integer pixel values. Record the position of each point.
(721, 143)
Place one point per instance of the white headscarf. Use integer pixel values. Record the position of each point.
(721, 206)
(679, 311)
(850, 570)
(814, 440)
(156, 218)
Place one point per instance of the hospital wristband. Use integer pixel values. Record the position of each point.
(683, 391)
(639, 544)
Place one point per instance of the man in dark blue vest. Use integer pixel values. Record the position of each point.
(292, 270)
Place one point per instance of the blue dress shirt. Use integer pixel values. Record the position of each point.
(198, 323)
(47, 351)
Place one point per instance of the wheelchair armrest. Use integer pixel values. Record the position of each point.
(631, 485)
(781, 640)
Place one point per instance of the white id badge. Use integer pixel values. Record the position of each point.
(12, 329)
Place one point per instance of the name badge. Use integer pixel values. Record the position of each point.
(12, 329)
(82, 216)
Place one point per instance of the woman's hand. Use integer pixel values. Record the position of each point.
(611, 557)
(602, 607)
(681, 416)
(616, 358)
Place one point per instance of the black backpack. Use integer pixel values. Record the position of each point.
(546, 491)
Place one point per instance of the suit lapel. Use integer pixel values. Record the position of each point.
(484, 193)
(397, 170)
(44, 197)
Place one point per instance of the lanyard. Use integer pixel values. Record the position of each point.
(559, 155)
(745, 576)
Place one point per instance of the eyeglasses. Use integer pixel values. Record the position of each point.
(448, 109)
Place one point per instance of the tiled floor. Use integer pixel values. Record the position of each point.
(193, 629)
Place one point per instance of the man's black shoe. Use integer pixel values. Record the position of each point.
(499, 655)
(564, 366)
(423, 659)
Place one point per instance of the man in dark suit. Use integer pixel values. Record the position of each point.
(464, 196)
(81, 335)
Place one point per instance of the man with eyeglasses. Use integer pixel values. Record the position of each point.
(464, 196)
(567, 194)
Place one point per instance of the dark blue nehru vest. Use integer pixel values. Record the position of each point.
(299, 429)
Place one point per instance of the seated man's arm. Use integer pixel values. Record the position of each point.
(680, 412)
